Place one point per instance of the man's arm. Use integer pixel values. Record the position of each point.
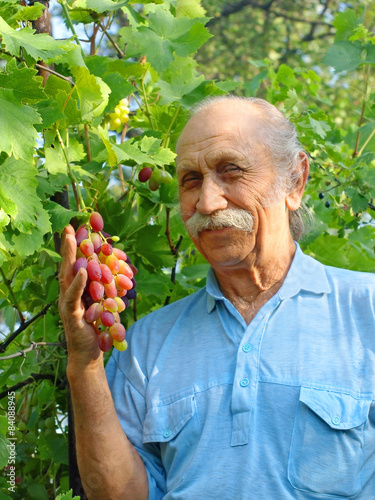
(109, 465)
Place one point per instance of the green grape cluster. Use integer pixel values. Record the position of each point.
(158, 177)
(120, 115)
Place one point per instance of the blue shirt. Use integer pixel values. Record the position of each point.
(280, 409)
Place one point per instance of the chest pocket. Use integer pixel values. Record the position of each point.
(174, 426)
(328, 443)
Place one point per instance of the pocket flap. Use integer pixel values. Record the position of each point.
(339, 410)
(164, 422)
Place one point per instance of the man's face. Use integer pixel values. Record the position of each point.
(221, 165)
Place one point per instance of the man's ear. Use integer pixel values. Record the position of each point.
(294, 198)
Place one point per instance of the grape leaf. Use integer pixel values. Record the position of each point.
(98, 5)
(320, 127)
(28, 13)
(60, 216)
(17, 121)
(25, 86)
(178, 80)
(67, 496)
(166, 36)
(120, 153)
(18, 195)
(27, 243)
(344, 56)
(89, 91)
(66, 101)
(345, 23)
(4, 219)
(39, 46)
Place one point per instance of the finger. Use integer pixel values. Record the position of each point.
(68, 251)
(74, 292)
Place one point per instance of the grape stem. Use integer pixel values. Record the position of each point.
(120, 53)
(87, 142)
(70, 23)
(76, 189)
(144, 94)
(167, 135)
(15, 304)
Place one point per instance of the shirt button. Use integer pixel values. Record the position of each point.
(247, 347)
(244, 382)
(167, 433)
(335, 420)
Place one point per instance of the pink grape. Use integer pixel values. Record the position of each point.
(107, 318)
(121, 292)
(94, 271)
(96, 221)
(96, 290)
(93, 312)
(105, 341)
(86, 247)
(106, 249)
(120, 304)
(96, 241)
(81, 234)
(117, 317)
(110, 305)
(123, 281)
(80, 262)
(113, 263)
(117, 332)
(120, 254)
(125, 269)
(111, 290)
(107, 275)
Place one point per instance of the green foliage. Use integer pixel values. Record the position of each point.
(56, 147)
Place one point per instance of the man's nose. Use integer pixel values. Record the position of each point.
(211, 197)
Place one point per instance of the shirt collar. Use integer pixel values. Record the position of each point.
(305, 273)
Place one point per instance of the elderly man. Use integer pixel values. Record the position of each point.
(260, 386)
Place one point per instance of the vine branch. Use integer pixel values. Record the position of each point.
(32, 346)
(34, 377)
(23, 327)
(120, 53)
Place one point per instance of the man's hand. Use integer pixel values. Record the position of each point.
(83, 350)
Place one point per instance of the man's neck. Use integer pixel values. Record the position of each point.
(252, 284)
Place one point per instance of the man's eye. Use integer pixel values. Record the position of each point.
(190, 179)
(231, 168)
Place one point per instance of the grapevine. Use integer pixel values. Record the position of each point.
(110, 282)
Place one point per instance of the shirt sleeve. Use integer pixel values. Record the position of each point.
(131, 409)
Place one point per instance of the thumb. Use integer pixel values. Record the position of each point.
(74, 293)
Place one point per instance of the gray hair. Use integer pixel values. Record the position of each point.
(279, 139)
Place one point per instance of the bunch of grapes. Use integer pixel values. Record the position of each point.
(154, 177)
(110, 282)
(120, 115)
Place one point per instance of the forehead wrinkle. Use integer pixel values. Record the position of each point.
(232, 146)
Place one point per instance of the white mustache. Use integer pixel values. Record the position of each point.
(231, 217)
